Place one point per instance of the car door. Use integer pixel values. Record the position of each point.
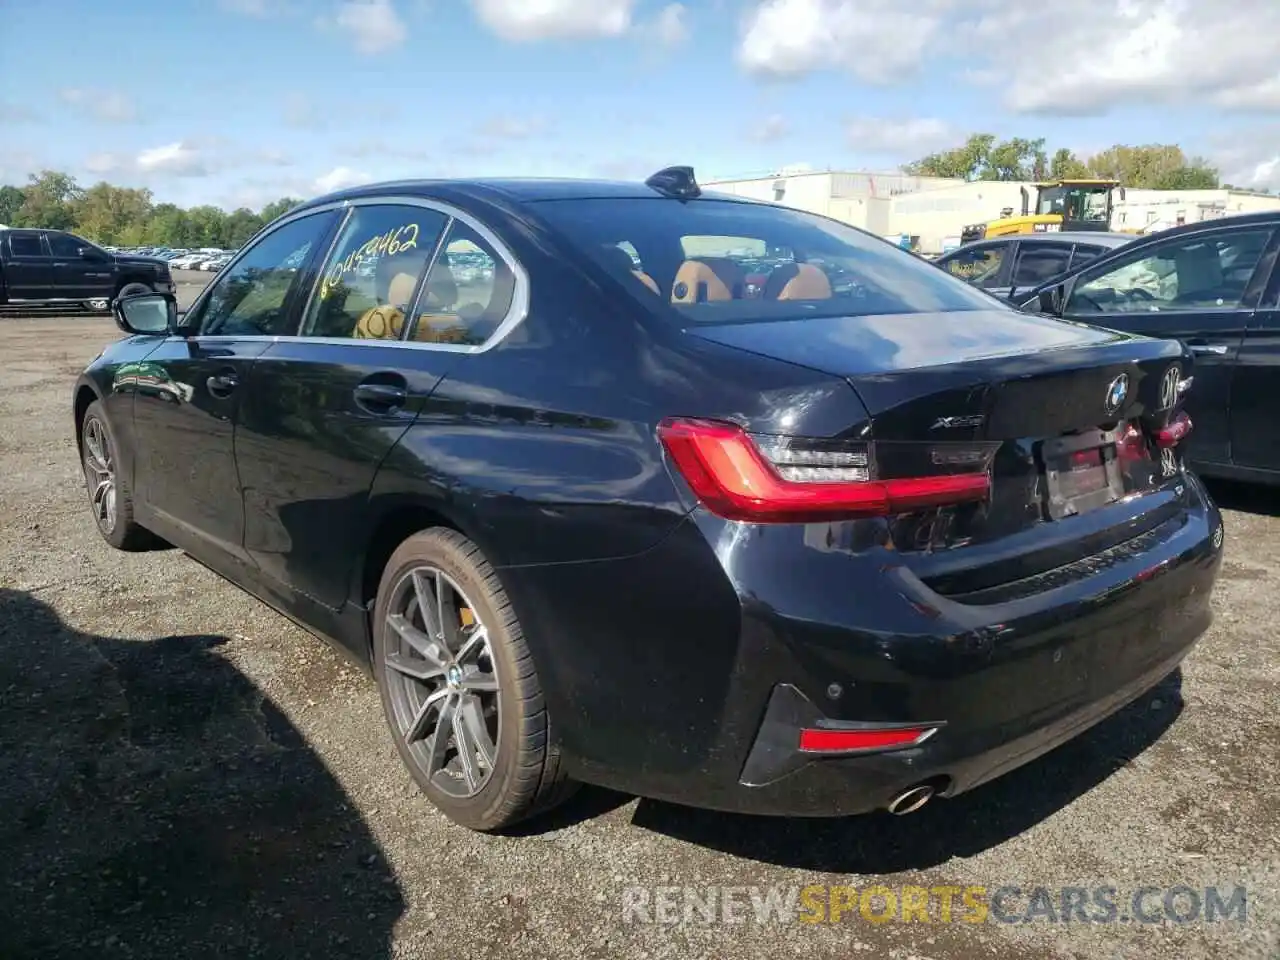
(1255, 436)
(1202, 288)
(322, 409)
(28, 269)
(80, 270)
(185, 413)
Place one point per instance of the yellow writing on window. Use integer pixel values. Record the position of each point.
(394, 241)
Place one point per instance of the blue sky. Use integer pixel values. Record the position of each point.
(241, 101)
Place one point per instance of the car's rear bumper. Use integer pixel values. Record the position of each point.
(677, 699)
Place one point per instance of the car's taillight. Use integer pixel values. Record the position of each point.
(773, 479)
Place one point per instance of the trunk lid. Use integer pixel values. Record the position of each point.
(1072, 411)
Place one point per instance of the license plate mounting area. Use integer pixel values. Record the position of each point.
(1081, 472)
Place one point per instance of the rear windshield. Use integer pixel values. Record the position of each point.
(717, 260)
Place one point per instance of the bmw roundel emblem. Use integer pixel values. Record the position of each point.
(1117, 392)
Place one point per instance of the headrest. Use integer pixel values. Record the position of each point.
(797, 281)
(400, 289)
(1199, 269)
(699, 281)
(620, 262)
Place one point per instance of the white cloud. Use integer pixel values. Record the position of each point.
(909, 137)
(339, 177)
(251, 8)
(1042, 61)
(1249, 157)
(670, 27)
(876, 40)
(512, 128)
(528, 20)
(109, 106)
(177, 158)
(374, 25)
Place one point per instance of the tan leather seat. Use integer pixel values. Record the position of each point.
(797, 281)
(386, 321)
(620, 261)
(708, 279)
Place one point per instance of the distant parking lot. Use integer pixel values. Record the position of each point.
(187, 774)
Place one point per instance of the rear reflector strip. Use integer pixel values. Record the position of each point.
(845, 741)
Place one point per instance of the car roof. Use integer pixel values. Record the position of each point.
(518, 189)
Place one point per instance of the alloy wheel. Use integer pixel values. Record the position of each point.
(99, 471)
(442, 681)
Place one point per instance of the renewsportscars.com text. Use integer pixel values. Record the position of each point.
(816, 903)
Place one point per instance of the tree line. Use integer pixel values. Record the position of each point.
(1153, 166)
(128, 216)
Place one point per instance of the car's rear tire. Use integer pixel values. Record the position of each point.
(110, 496)
(468, 663)
(133, 289)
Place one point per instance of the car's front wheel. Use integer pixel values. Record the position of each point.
(133, 289)
(110, 497)
(459, 687)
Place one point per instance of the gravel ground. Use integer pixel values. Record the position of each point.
(184, 773)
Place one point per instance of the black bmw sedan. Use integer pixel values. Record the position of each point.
(590, 507)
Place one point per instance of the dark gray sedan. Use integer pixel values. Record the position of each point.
(1021, 261)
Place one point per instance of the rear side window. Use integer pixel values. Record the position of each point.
(715, 260)
(1038, 262)
(367, 285)
(468, 292)
(25, 245)
(979, 266)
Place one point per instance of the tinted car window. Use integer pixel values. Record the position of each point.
(252, 297)
(1040, 262)
(65, 245)
(25, 245)
(367, 284)
(1192, 273)
(468, 292)
(811, 266)
(979, 265)
(1085, 252)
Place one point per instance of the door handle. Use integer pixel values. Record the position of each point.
(380, 398)
(1214, 348)
(221, 384)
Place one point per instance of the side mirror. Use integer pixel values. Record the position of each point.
(148, 314)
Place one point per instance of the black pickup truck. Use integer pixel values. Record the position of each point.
(52, 267)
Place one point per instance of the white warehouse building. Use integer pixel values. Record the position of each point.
(931, 211)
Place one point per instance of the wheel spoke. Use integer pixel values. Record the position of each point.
(419, 641)
(447, 606)
(466, 750)
(100, 493)
(473, 642)
(93, 440)
(477, 732)
(428, 605)
(417, 669)
(478, 682)
(418, 728)
(440, 739)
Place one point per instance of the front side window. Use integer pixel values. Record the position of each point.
(367, 285)
(1195, 273)
(980, 266)
(1084, 253)
(26, 245)
(714, 260)
(66, 245)
(1040, 262)
(468, 292)
(254, 296)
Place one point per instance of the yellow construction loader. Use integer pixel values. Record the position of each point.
(1060, 205)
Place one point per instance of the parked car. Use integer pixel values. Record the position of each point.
(1214, 286)
(49, 267)
(1004, 265)
(602, 518)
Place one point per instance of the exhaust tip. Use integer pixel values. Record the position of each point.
(911, 800)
